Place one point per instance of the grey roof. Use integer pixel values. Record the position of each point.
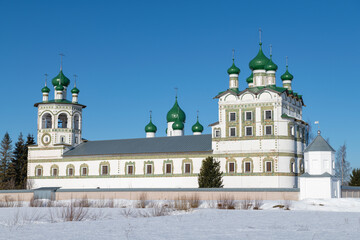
(178, 144)
(319, 144)
(307, 175)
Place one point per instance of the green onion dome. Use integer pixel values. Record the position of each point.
(233, 69)
(150, 127)
(250, 78)
(259, 61)
(60, 78)
(178, 125)
(75, 90)
(271, 66)
(197, 127)
(59, 88)
(176, 113)
(287, 75)
(45, 89)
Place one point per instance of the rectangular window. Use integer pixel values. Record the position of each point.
(39, 172)
(247, 167)
(187, 168)
(268, 115)
(217, 133)
(55, 172)
(232, 132)
(292, 167)
(104, 170)
(248, 116)
(248, 131)
(84, 171)
(148, 169)
(168, 168)
(232, 117)
(130, 170)
(76, 140)
(231, 167)
(268, 166)
(268, 130)
(70, 171)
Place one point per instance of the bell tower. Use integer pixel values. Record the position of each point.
(59, 120)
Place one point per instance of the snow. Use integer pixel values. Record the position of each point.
(308, 219)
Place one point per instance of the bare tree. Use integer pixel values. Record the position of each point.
(342, 166)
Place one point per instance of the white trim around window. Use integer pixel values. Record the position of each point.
(232, 131)
(251, 133)
(232, 116)
(246, 116)
(268, 130)
(266, 116)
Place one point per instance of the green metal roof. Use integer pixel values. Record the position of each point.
(233, 69)
(271, 66)
(178, 125)
(287, 75)
(150, 127)
(75, 90)
(60, 78)
(250, 78)
(259, 61)
(176, 113)
(197, 127)
(45, 89)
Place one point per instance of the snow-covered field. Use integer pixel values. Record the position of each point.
(310, 219)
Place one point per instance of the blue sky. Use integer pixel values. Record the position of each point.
(130, 55)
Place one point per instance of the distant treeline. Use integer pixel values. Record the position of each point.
(13, 162)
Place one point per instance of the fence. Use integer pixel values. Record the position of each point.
(350, 192)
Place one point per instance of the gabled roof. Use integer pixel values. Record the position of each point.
(319, 144)
(179, 144)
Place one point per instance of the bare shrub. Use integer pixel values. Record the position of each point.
(159, 210)
(257, 204)
(127, 212)
(142, 200)
(182, 204)
(246, 204)
(35, 202)
(194, 201)
(8, 202)
(84, 202)
(73, 213)
(30, 184)
(226, 202)
(287, 204)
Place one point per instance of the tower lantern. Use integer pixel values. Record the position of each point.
(233, 72)
(287, 77)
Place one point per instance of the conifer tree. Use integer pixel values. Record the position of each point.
(5, 158)
(355, 177)
(210, 175)
(23, 163)
(18, 160)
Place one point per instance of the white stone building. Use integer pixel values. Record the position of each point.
(259, 139)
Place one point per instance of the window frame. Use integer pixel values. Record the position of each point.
(216, 132)
(271, 115)
(251, 115)
(229, 168)
(86, 171)
(68, 171)
(245, 170)
(266, 166)
(102, 170)
(166, 168)
(252, 132)
(230, 114)
(230, 132)
(147, 168)
(132, 169)
(271, 130)
(185, 168)
(56, 171)
(37, 172)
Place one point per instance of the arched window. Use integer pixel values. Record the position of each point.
(76, 122)
(62, 121)
(46, 120)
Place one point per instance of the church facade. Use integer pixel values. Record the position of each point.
(259, 139)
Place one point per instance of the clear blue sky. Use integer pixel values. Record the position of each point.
(129, 56)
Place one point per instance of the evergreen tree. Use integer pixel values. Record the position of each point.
(355, 177)
(23, 163)
(18, 160)
(5, 158)
(342, 166)
(210, 175)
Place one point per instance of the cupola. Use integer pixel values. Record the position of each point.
(249, 80)
(176, 113)
(233, 72)
(150, 128)
(259, 61)
(197, 128)
(287, 77)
